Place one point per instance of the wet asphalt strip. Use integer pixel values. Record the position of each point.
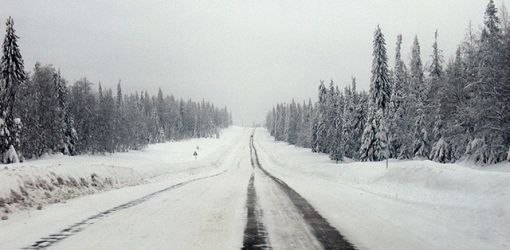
(327, 235)
(52, 239)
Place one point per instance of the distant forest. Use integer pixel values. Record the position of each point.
(40, 114)
(445, 111)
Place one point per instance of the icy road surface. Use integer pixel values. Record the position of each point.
(250, 192)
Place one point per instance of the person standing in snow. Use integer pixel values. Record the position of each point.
(195, 154)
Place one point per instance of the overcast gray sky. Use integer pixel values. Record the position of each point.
(243, 54)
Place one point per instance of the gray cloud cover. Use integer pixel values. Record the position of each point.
(243, 54)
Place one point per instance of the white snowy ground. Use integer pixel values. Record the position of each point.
(58, 178)
(202, 214)
(411, 205)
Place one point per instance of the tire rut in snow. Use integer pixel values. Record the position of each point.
(79, 226)
(255, 234)
(327, 235)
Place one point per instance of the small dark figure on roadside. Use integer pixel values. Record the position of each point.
(195, 154)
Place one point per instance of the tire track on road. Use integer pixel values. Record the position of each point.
(327, 235)
(79, 226)
(255, 234)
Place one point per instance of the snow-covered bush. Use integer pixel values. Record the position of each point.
(479, 151)
(441, 152)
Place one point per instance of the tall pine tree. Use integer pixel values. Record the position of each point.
(419, 93)
(490, 95)
(441, 150)
(13, 75)
(374, 145)
(398, 116)
(321, 127)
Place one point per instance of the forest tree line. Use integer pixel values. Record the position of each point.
(41, 114)
(443, 111)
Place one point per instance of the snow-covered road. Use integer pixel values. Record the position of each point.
(207, 210)
(295, 200)
(206, 213)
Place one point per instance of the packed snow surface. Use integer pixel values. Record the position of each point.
(410, 205)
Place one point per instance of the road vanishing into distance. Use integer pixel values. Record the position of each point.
(236, 205)
(247, 191)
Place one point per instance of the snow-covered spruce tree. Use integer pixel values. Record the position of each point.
(150, 118)
(70, 137)
(331, 113)
(136, 126)
(280, 122)
(162, 113)
(454, 103)
(120, 126)
(310, 112)
(441, 150)
(270, 121)
(461, 74)
(184, 114)
(348, 121)
(156, 129)
(299, 123)
(374, 145)
(292, 120)
(100, 127)
(503, 90)
(314, 138)
(360, 102)
(420, 142)
(82, 105)
(419, 93)
(490, 95)
(302, 123)
(436, 91)
(50, 116)
(275, 120)
(181, 114)
(322, 119)
(26, 109)
(286, 121)
(175, 119)
(106, 109)
(155, 121)
(399, 125)
(338, 146)
(13, 75)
